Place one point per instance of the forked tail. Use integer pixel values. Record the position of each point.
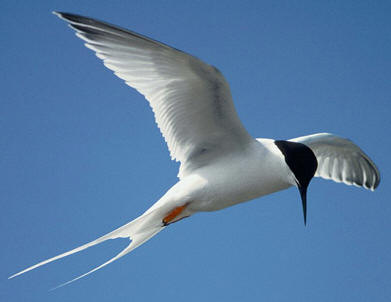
(138, 231)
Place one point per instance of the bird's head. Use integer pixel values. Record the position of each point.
(302, 161)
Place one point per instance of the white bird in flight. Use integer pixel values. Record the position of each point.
(220, 163)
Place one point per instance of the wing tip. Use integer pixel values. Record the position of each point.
(375, 173)
(72, 18)
(58, 14)
(378, 178)
(64, 16)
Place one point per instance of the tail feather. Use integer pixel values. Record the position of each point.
(139, 231)
(137, 240)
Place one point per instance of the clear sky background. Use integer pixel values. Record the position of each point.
(80, 153)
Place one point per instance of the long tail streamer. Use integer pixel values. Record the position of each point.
(138, 231)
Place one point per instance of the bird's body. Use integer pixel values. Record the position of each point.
(234, 178)
(221, 164)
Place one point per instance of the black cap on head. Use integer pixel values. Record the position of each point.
(301, 160)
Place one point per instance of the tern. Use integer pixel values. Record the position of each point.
(220, 163)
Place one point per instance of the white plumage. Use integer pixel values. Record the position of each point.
(191, 100)
(221, 165)
(339, 159)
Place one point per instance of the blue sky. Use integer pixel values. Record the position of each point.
(81, 155)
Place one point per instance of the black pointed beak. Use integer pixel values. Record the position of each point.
(303, 194)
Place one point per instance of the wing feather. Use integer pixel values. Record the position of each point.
(341, 160)
(190, 99)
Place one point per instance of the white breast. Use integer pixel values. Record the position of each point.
(258, 171)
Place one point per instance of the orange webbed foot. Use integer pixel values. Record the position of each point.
(173, 214)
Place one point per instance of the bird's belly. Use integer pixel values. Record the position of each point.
(227, 197)
(238, 183)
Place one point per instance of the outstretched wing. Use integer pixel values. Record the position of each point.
(191, 100)
(341, 160)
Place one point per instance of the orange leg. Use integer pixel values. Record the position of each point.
(173, 214)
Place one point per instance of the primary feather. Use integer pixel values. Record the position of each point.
(341, 160)
(191, 100)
